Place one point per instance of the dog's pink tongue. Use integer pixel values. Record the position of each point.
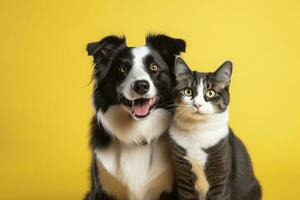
(141, 108)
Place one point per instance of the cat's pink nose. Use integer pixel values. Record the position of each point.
(197, 105)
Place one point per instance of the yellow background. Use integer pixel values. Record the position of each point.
(45, 101)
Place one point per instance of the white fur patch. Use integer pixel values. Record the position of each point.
(205, 107)
(138, 72)
(201, 135)
(146, 171)
(118, 121)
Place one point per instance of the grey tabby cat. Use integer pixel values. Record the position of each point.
(210, 161)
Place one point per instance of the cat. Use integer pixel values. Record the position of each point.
(210, 161)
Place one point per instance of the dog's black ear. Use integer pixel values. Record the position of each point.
(165, 44)
(105, 46)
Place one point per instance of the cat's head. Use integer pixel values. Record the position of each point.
(198, 95)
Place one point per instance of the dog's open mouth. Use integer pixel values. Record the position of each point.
(141, 107)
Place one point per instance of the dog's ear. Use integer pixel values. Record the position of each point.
(105, 46)
(165, 44)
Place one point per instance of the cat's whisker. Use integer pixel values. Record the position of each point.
(179, 115)
(177, 106)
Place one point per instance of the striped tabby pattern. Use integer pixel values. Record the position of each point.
(210, 161)
(185, 179)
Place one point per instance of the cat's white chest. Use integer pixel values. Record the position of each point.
(192, 145)
(143, 171)
(199, 138)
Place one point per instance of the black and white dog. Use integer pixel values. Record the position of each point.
(132, 90)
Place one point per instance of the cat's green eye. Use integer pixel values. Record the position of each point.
(188, 92)
(210, 93)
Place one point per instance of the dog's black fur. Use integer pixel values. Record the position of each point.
(109, 53)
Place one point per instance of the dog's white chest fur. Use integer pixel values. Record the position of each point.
(117, 120)
(127, 169)
(138, 172)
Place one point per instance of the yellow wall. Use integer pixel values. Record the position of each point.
(45, 97)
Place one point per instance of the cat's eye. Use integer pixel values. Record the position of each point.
(123, 69)
(210, 93)
(154, 67)
(188, 92)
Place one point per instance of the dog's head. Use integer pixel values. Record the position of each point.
(139, 78)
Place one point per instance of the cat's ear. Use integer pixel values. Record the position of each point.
(106, 46)
(182, 70)
(223, 73)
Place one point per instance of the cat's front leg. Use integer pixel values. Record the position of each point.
(219, 192)
(168, 196)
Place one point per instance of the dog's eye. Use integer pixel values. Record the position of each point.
(123, 69)
(188, 92)
(210, 93)
(154, 67)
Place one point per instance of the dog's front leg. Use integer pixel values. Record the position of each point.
(96, 192)
(98, 195)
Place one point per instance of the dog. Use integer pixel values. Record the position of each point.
(131, 99)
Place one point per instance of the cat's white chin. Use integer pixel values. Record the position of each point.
(202, 113)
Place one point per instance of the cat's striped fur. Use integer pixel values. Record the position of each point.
(210, 161)
(189, 185)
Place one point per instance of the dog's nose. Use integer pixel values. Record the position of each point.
(141, 87)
